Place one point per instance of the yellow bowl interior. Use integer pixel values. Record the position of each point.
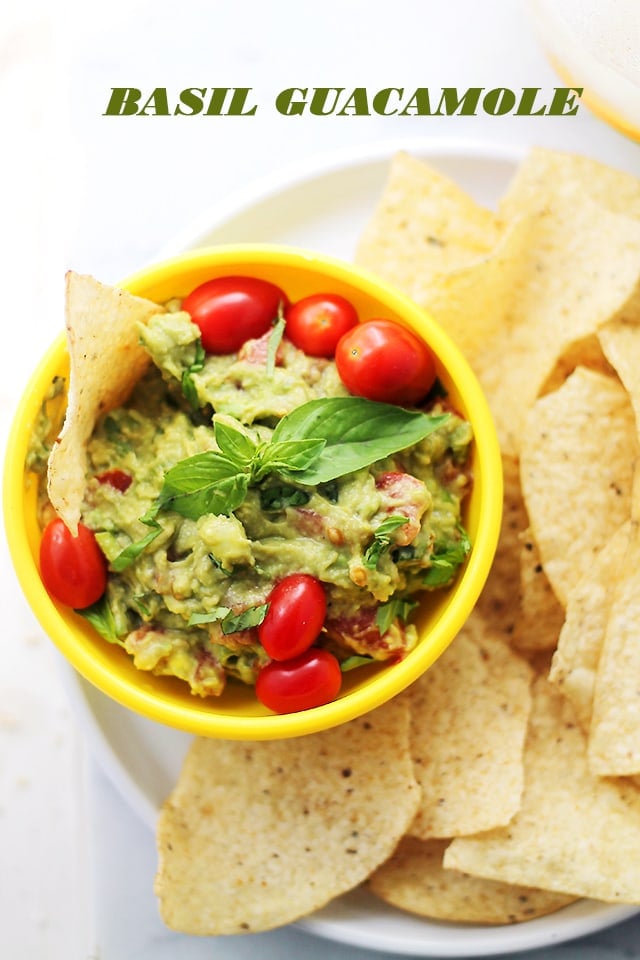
(237, 714)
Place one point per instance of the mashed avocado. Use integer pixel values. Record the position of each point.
(187, 589)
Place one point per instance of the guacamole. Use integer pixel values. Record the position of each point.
(187, 588)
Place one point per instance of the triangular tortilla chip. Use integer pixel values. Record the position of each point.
(469, 716)
(575, 662)
(574, 833)
(414, 879)
(545, 175)
(258, 834)
(577, 467)
(614, 734)
(106, 361)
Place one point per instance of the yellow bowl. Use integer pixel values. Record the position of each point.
(237, 714)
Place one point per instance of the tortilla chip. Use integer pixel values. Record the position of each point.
(575, 663)
(256, 835)
(517, 599)
(106, 361)
(576, 467)
(545, 174)
(499, 601)
(424, 224)
(614, 735)
(547, 278)
(469, 716)
(414, 879)
(541, 616)
(586, 352)
(581, 269)
(620, 341)
(575, 833)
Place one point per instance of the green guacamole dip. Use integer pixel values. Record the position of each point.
(188, 603)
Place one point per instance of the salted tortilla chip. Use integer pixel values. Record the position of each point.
(581, 269)
(106, 361)
(414, 879)
(540, 616)
(548, 278)
(620, 340)
(424, 223)
(577, 464)
(469, 715)
(517, 599)
(499, 601)
(575, 662)
(256, 835)
(614, 734)
(575, 833)
(544, 174)
(585, 352)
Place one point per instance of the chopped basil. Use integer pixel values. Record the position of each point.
(131, 553)
(229, 621)
(446, 559)
(273, 343)
(218, 564)
(188, 385)
(355, 661)
(394, 609)
(382, 539)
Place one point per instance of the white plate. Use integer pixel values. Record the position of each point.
(324, 207)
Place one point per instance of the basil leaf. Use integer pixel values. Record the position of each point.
(281, 496)
(251, 617)
(208, 482)
(446, 558)
(357, 432)
(234, 444)
(382, 539)
(218, 497)
(100, 616)
(131, 553)
(290, 455)
(394, 609)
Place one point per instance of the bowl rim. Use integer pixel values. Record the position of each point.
(387, 683)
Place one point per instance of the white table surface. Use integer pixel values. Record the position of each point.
(102, 195)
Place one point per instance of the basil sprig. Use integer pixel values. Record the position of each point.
(395, 609)
(317, 442)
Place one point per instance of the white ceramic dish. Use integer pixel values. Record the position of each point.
(324, 207)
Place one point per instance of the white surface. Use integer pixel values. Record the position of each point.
(103, 195)
(323, 208)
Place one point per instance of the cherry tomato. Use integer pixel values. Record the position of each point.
(231, 310)
(383, 361)
(116, 478)
(73, 569)
(308, 680)
(297, 608)
(316, 323)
